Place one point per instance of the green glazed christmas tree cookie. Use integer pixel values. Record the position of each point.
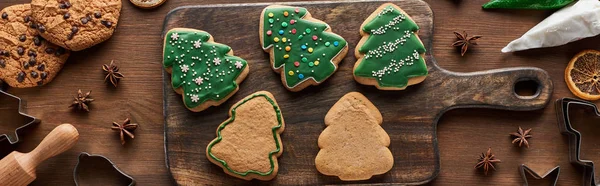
(390, 54)
(205, 73)
(302, 49)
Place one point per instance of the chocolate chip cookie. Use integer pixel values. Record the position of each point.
(76, 24)
(26, 59)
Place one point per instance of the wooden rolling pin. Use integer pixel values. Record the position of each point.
(18, 169)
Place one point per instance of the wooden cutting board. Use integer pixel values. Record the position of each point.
(410, 117)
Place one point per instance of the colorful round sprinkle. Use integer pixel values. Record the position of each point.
(269, 32)
(303, 47)
(327, 43)
(271, 14)
(288, 48)
(304, 59)
(286, 56)
(276, 39)
(294, 31)
(292, 21)
(297, 10)
(284, 39)
(316, 63)
(310, 50)
(296, 63)
(300, 37)
(307, 30)
(271, 20)
(284, 24)
(291, 73)
(311, 64)
(335, 43)
(280, 32)
(301, 76)
(315, 37)
(286, 13)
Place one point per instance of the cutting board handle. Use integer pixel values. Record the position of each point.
(496, 89)
(57, 141)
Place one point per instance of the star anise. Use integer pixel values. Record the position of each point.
(464, 41)
(82, 100)
(521, 137)
(112, 73)
(126, 128)
(487, 160)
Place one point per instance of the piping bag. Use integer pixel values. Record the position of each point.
(572, 23)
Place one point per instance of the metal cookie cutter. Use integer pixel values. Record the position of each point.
(90, 166)
(564, 124)
(553, 173)
(19, 116)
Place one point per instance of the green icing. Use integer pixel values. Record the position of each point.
(392, 50)
(301, 64)
(202, 69)
(527, 4)
(274, 130)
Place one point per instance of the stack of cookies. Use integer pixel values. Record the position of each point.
(36, 39)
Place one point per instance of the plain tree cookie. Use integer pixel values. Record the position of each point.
(204, 72)
(76, 24)
(354, 146)
(302, 49)
(390, 54)
(26, 59)
(249, 142)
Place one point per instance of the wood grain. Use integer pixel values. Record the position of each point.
(462, 134)
(410, 116)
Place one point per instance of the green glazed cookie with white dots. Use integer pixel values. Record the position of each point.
(204, 72)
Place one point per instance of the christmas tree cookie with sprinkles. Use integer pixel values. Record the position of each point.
(204, 72)
(390, 54)
(302, 49)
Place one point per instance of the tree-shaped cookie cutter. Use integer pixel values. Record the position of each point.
(564, 124)
(552, 173)
(94, 160)
(30, 119)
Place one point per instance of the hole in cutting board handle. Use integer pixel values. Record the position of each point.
(527, 88)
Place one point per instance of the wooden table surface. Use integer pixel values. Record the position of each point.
(462, 134)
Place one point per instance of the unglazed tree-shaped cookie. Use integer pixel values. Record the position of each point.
(390, 54)
(354, 146)
(249, 142)
(302, 49)
(204, 72)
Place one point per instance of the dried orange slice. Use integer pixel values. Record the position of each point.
(583, 75)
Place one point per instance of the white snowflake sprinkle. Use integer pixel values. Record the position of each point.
(175, 36)
(199, 80)
(197, 44)
(195, 98)
(238, 65)
(217, 61)
(185, 68)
